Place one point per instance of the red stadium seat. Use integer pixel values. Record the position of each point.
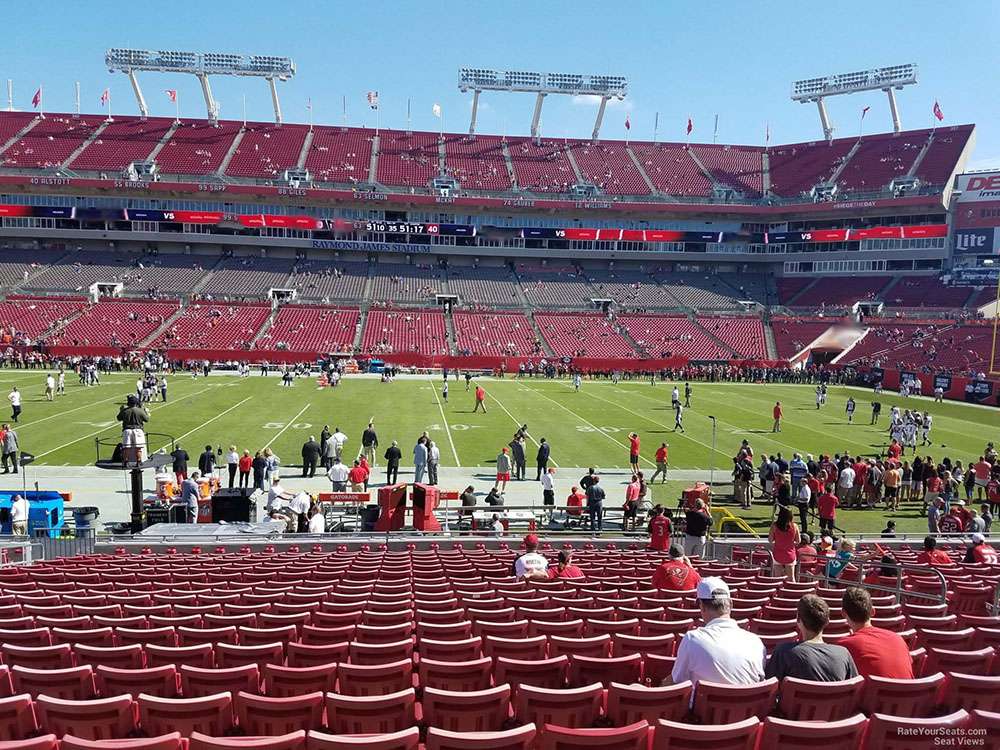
(664, 645)
(259, 715)
(195, 656)
(73, 683)
(101, 719)
(196, 636)
(546, 673)
(471, 711)
(370, 714)
(525, 649)
(899, 733)
(290, 741)
(521, 738)
(17, 720)
(380, 653)
(38, 657)
(631, 737)
(806, 700)
(282, 681)
(475, 674)
(197, 682)
(628, 704)
(160, 681)
(576, 707)
(166, 636)
(970, 661)
(988, 724)
(459, 650)
(311, 655)
(741, 735)
(119, 657)
(228, 655)
(597, 646)
(805, 735)
(408, 739)
(971, 692)
(210, 714)
(718, 703)
(914, 698)
(585, 670)
(45, 742)
(172, 741)
(375, 679)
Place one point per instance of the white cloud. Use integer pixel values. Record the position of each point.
(592, 100)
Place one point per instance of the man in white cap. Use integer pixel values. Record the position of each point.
(980, 551)
(720, 650)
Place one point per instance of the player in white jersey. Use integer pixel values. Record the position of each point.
(577, 380)
(926, 431)
(910, 436)
(894, 415)
(819, 397)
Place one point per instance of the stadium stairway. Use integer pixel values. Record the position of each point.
(722, 344)
(224, 164)
(19, 135)
(790, 302)
(708, 175)
(266, 326)
(882, 295)
(362, 322)
(539, 337)
(920, 157)
(449, 329)
(79, 149)
(765, 172)
(510, 164)
(638, 165)
(631, 341)
(300, 163)
(576, 168)
(196, 289)
(166, 324)
(163, 141)
(42, 268)
(769, 342)
(843, 165)
(373, 165)
(58, 325)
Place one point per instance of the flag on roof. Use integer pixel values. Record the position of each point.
(171, 95)
(37, 98)
(690, 126)
(373, 99)
(937, 111)
(864, 112)
(436, 110)
(628, 125)
(105, 96)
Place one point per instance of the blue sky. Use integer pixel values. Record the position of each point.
(736, 60)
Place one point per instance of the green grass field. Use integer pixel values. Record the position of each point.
(585, 428)
(588, 428)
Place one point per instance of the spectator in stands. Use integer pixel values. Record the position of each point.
(564, 566)
(532, 564)
(810, 658)
(393, 455)
(675, 573)
(310, 457)
(697, 523)
(876, 651)
(784, 538)
(659, 528)
(980, 552)
(245, 465)
(720, 650)
(190, 493)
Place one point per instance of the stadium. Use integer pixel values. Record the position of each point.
(623, 378)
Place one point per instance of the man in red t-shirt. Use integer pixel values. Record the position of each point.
(659, 530)
(931, 555)
(876, 651)
(661, 463)
(895, 449)
(633, 451)
(575, 501)
(980, 551)
(777, 413)
(676, 574)
(480, 400)
(827, 504)
(357, 476)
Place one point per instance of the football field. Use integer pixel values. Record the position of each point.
(586, 428)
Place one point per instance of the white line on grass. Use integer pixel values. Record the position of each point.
(68, 411)
(206, 423)
(592, 426)
(290, 423)
(515, 421)
(445, 420)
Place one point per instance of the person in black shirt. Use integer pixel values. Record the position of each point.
(810, 658)
(206, 461)
(259, 469)
(310, 456)
(697, 523)
(392, 457)
(369, 442)
(876, 410)
(588, 479)
(324, 436)
(595, 505)
(542, 459)
(180, 466)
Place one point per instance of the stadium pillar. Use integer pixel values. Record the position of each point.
(893, 110)
(475, 111)
(824, 119)
(210, 104)
(537, 116)
(139, 98)
(600, 118)
(136, 492)
(275, 101)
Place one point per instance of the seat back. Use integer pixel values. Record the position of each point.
(628, 704)
(374, 679)
(521, 738)
(160, 681)
(370, 714)
(470, 711)
(197, 682)
(807, 700)
(901, 733)
(260, 715)
(718, 703)
(101, 719)
(407, 739)
(631, 737)
(804, 735)
(575, 707)
(210, 714)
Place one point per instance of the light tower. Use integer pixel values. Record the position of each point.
(889, 79)
(201, 65)
(606, 87)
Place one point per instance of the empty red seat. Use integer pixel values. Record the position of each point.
(290, 741)
(380, 653)
(120, 657)
(313, 654)
(526, 649)
(197, 682)
(631, 737)
(475, 674)
(547, 673)
(460, 650)
(260, 715)
(597, 646)
(229, 655)
(166, 636)
(988, 724)
(370, 714)
(969, 661)
(210, 714)
(100, 719)
(195, 636)
(45, 742)
(161, 681)
(280, 681)
(407, 739)
(375, 679)
(17, 720)
(585, 670)
(468, 711)
(26, 637)
(576, 707)
(624, 644)
(718, 703)
(903, 733)
(806, 735)
(72, 683)
(807, 700)
(628, 704)
(971, 692)
(202, 655)
(59, 656)
(172, 741)
(740, 735)
(521, 738)
(90, 636)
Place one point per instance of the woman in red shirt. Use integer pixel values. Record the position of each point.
(246, 463)
(784, 537)
(565, 567)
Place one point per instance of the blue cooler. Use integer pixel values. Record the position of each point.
(45, 513)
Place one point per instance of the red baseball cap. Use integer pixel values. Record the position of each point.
(531, 539)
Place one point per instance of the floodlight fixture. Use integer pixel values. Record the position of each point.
(200, 64)
(604, 86)
(888, 79)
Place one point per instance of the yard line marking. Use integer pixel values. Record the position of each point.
(445, 420)
(205, 424)
(515, 421)
(105, 429)
(70, 411)
(659, 424)
(290, 423)
(589, 424)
